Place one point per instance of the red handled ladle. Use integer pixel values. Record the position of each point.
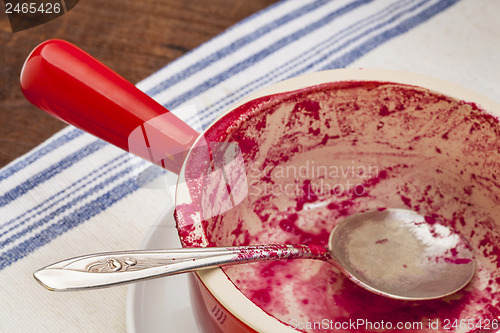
(392, 252)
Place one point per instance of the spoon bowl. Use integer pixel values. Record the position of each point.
(395, 253)
(400, 254)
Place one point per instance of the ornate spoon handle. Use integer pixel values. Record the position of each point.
(114, 268)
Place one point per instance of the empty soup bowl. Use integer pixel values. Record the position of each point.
(338, 143)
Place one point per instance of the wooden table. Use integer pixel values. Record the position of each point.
(134, 38)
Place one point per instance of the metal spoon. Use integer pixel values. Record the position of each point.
(395, 253)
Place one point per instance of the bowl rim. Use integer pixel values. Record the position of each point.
(215, 280)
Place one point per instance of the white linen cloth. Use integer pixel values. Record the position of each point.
(74, 194)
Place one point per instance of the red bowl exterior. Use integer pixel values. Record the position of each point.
(213, 315)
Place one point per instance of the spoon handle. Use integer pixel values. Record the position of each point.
(114, 268)
(76, 88)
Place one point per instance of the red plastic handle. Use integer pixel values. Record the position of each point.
(68, 83)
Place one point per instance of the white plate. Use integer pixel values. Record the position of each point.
(161, 305)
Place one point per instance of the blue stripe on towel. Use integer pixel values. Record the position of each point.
(32, 157)
(53, 200)
(259, 56)
(388, 15)
(73, 219)
(236, 45)
(376, 41)
(50, 172)
(66, 223)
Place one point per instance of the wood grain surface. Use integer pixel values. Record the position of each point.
(134, 38)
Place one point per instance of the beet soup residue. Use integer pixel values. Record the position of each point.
(315, 156)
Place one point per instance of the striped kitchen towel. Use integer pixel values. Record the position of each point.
(75, 194)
